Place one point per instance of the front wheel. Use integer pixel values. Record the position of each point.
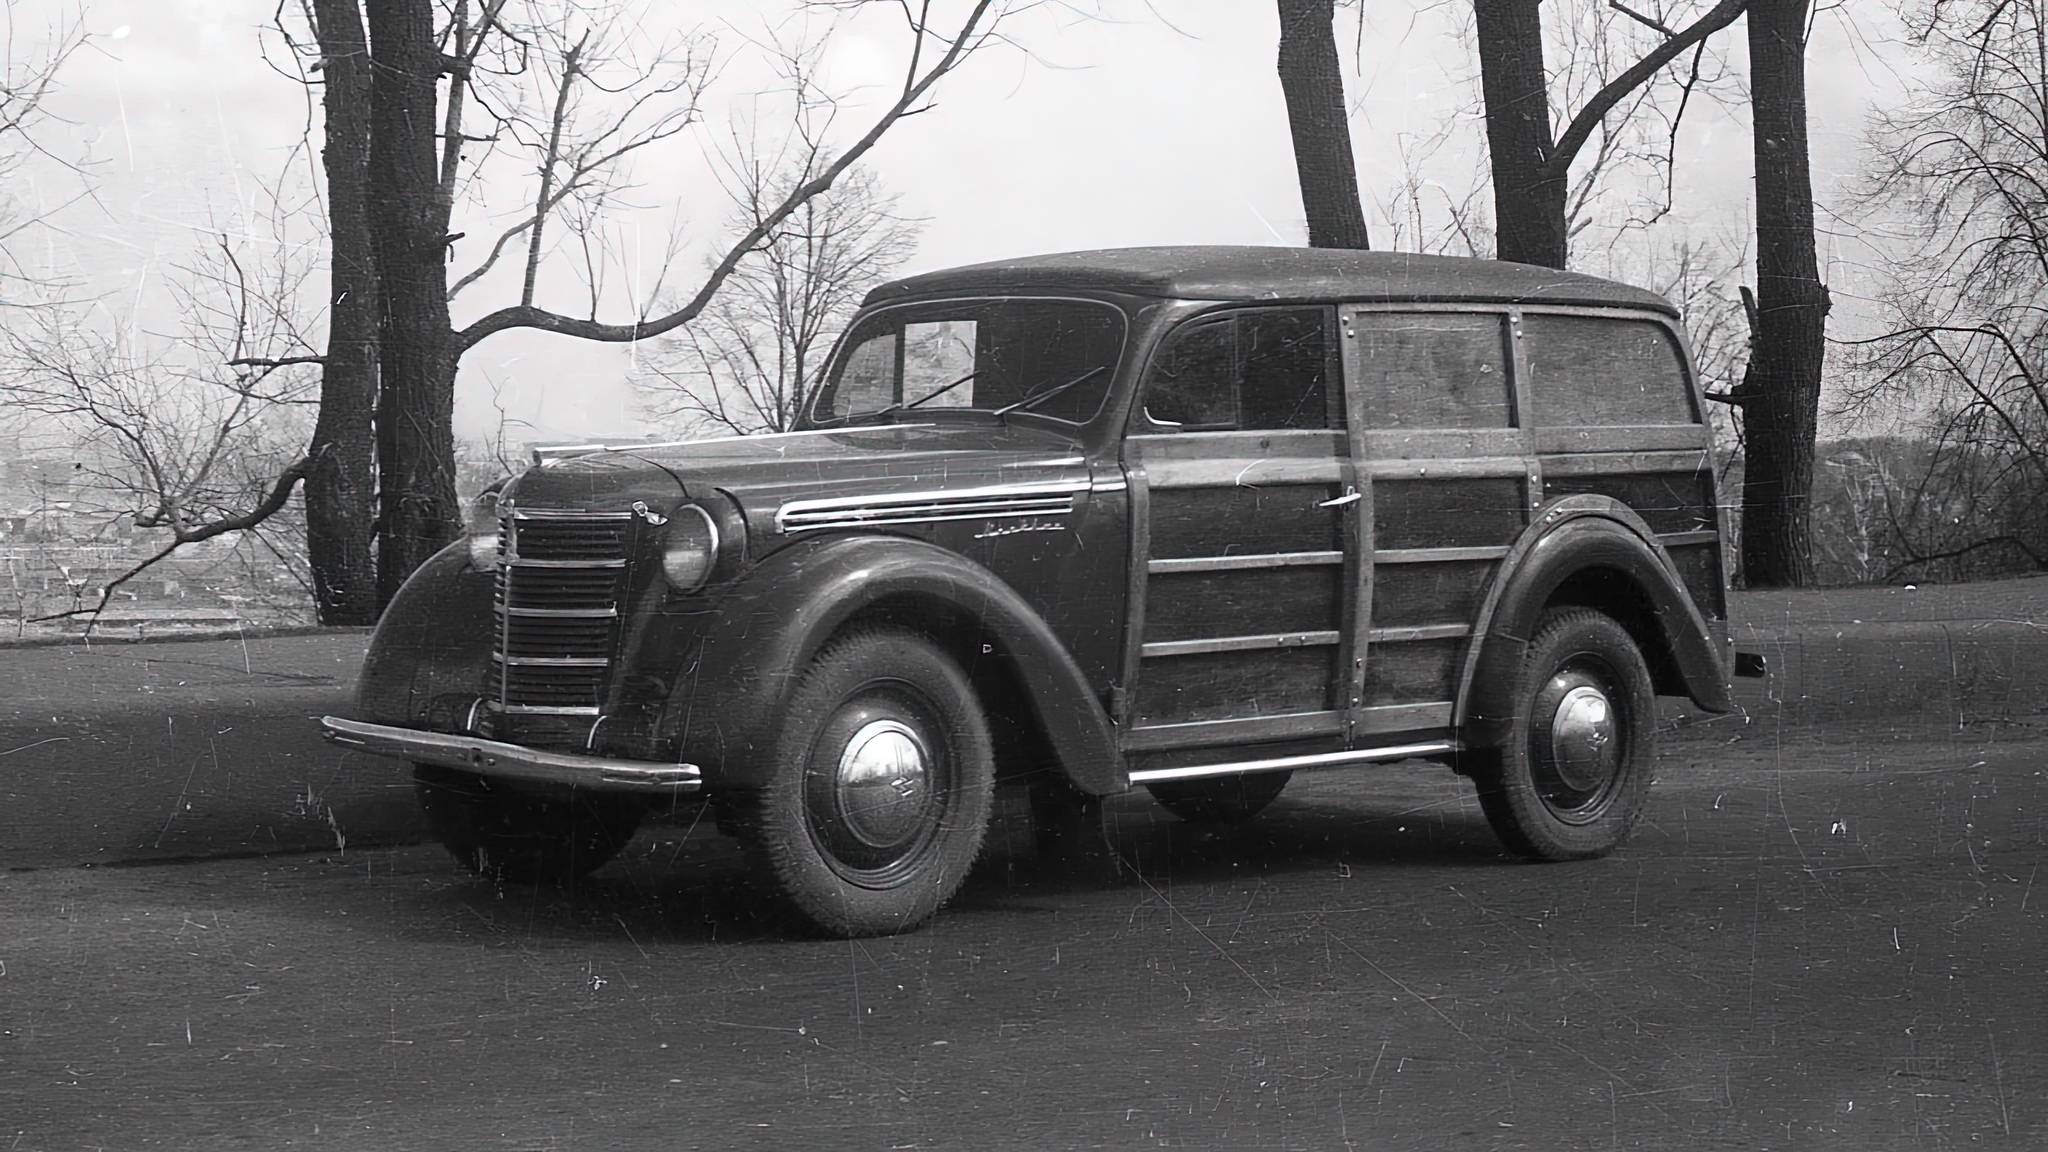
(1573, 778)
(884, 779)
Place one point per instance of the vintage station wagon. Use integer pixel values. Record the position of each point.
(1186, 518)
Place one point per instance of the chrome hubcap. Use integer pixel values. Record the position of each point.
(883, 783)
(1585, 744)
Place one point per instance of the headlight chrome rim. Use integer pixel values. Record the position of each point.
(687, 562)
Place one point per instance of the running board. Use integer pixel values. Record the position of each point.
(1290, 763)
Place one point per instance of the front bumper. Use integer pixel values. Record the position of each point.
(511, 761)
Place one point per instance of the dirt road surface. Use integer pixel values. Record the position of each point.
(1833, 940)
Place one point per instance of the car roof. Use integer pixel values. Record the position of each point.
(1254, 273)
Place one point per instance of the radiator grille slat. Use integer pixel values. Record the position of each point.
(528, 635)
(560, 585)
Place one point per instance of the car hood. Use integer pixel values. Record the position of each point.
(842, 467)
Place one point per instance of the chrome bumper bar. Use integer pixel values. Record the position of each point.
(511, 761)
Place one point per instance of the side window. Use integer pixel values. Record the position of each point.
(1433, 370)
(1262, 369)
(1603, 370)
(1193, 378)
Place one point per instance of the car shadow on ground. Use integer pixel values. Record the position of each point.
(683, 883)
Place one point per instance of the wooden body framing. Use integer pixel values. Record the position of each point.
(1302, 598)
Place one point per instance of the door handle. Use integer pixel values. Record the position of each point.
(1340, 501)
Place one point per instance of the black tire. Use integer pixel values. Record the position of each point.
(853, 853)
(1220, 799)
(1573, 778)
(504, 833)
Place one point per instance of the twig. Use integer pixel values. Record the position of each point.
(1639, 18)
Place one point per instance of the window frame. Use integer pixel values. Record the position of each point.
(843, 349)
(1336, 412)
(1508, 321)
(1556, 437)
(1665, 324)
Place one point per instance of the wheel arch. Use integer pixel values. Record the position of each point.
(1588, 551)
(723, 712)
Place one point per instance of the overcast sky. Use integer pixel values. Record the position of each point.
(1146, 123)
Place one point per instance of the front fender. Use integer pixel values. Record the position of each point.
(728, 702)
(431, 653)
(1575, 535)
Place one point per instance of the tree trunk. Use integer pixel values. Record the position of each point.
(1313, 83)
(1781, 391)
(1528, 198)
(341, 486)
(419, 508)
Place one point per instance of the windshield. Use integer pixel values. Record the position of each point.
(1054, 358)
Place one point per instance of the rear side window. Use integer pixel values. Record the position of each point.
(1266, 368)
(1586, 370)
(1432, 370)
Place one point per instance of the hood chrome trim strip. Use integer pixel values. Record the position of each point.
(1052, 498)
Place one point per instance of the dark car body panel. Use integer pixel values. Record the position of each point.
(432, 645)
(759, 638)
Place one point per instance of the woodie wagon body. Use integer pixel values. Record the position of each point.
(1187, 518)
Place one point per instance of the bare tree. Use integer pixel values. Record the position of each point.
(1618, 194)
(746, 364)
(1960, 176)
(28, 75)
(1780, 394)
(1313, 84)
(416, 166)
(184, 440)
(341, 481)
(1531, 167)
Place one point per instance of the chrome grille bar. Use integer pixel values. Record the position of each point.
(561, 579)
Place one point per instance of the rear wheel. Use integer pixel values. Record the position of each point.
(1220, 799)
(1573, 778)
(505, 833)
(884, 779)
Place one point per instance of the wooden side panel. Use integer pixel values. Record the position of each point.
(1243, 520)
(1196, 605)
(1667, 501)
(1228, 685)
(1248, 564)
(1412, 671)
(1446, 513)
(1438, 592)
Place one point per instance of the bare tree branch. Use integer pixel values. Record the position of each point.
(1595, 110)
(916, 85)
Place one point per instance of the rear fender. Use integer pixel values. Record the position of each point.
(1582, 537)
(726, 709)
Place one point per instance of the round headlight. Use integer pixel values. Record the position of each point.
(691, 548)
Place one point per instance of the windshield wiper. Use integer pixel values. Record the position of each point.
(1034, 399)
(941, 390)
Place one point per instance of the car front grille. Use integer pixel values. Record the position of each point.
(561, 578)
